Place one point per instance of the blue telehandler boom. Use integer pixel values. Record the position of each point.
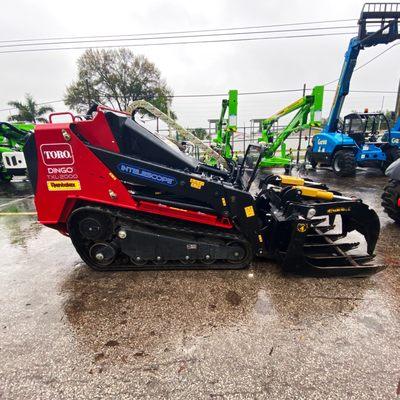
(354, 144)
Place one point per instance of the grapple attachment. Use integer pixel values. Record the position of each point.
(316, 230)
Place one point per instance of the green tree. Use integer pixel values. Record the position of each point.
(201, 133)
(29, 111)
(391, 116)
(116, 78)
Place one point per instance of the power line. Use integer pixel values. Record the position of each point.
(177, 32)
(275, 91)
(175, 37)
(175, 43)
(262, 92)
(366, 63)
(240, 94)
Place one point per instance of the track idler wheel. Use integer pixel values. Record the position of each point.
(103, 253)
(91, 233)
(240, 253)
(95, 226)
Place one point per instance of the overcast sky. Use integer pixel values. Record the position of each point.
(198, 68)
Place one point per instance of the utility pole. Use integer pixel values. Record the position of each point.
(89, 100)
(169, 115)
(301, 131)
(397, 108)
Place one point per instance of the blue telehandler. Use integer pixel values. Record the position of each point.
(357, 141)
(395, 139)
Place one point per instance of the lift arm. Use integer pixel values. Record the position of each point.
(386, 17)
(224, 134)
(308, 115)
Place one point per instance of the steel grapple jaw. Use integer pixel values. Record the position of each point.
(322, 233)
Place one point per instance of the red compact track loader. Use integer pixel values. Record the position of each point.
(129, 200)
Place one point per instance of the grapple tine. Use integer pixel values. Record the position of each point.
(328, 247)
(326, 228)
(321, 238)
(331, 260)
(345, 271)
(365, 221)
(314, 250)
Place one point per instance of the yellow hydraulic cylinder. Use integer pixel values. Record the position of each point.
(291, 180)
(315, 193)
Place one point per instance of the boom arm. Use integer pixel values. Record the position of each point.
(208, 151)
(308, 114)
(223, 139)
(386, 15)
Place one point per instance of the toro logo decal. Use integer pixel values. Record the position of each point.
(54, 154)
(147, 174)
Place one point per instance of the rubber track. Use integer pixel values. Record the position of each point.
(170, 225)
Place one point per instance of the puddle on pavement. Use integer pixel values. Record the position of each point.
(146, 309)
(18, 229)
(134, 314)
(14, 190)
(151, 312)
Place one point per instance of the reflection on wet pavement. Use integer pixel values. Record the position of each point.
(69, 332)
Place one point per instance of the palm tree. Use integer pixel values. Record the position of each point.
(29, 111)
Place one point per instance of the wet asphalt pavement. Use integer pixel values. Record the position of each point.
(67, 332)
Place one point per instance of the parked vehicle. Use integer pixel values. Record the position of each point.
(128, 201)
(391, 192)
(12, 141)
(345, 149)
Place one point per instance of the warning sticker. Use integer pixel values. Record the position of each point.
(302, 227)
(63, 185)
(249, 210)
(196, 184)
(338, 210)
